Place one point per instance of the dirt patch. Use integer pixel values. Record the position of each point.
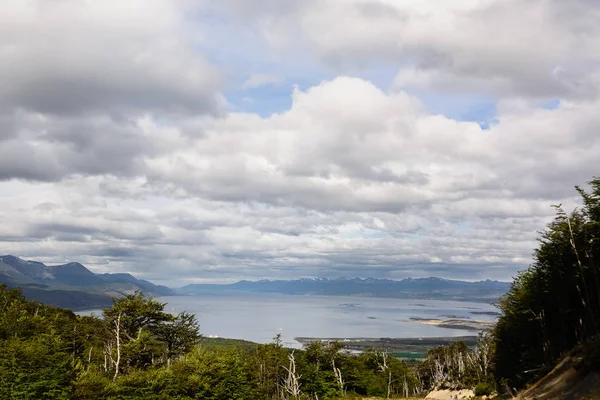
(450, 395)
(569, 380)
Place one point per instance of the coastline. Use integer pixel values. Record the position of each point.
(463, 324)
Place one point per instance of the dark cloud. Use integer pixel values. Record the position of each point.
(81, 100)
(56, 147)
(112, 58)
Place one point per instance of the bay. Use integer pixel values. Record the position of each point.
(259, 317)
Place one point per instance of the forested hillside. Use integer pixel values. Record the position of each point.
(554, 305)
(137, 351)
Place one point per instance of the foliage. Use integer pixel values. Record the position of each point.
(555, 304)
(179, 334)
(483, 389)
(143, 335)
(456, 365)
(36, 368)
(138, 351)
(218, 374)
(137, 313)
(38, 345)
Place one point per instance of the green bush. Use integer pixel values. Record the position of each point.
(483, 389)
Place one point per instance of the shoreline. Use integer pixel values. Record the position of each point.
(463, 324)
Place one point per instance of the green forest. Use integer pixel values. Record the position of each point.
(136, 350)
(554, 305)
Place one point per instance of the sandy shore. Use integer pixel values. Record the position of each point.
(465, 324)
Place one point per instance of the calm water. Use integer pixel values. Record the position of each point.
(259, 317)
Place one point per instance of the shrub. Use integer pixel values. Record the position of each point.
(483, 389)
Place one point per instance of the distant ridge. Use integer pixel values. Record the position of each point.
(417, 288)
(74, 286)
(71, 285)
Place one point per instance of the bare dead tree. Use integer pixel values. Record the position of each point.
(108, 351)
(483, 352)
(420, 386)
(385, 368)
(338, 377)
(438, 373)
(291, 385)
(460, 363)
(118, 341)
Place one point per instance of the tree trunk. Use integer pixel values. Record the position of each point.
(292, 383)
(338, 376)
(118, 338)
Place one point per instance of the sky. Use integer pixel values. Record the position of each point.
(200, 141)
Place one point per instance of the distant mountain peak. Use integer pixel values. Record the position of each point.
(71, 265)
(10, 259)
(74, 275)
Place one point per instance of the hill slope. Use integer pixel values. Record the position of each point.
(71, 285)
(575, 377)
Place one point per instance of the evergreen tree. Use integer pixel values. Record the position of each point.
(555, 304)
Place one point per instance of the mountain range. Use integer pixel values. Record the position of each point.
(71, 285)
(74, 286)
(420, 288)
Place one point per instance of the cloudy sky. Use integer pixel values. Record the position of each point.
(196, 141)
